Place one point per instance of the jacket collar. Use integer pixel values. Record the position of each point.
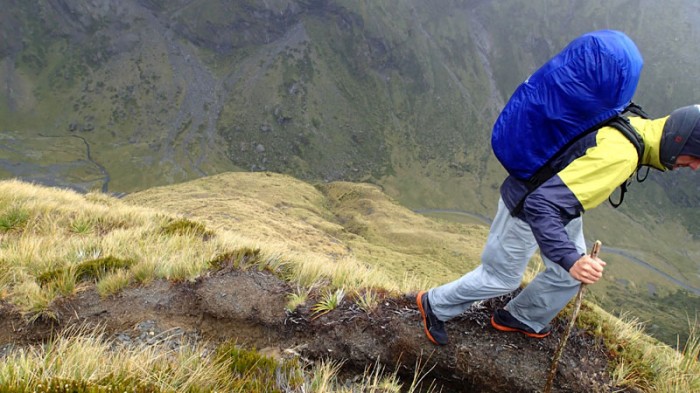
(651, 131)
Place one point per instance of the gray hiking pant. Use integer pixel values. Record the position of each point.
(509, 247)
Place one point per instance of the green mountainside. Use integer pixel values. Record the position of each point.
(124, 96)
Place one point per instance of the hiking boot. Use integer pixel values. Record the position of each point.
(433, 327)
(503, 320)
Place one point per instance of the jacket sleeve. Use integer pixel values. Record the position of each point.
(583, 184)
(547, 210)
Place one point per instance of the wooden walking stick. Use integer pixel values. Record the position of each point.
(562, 342)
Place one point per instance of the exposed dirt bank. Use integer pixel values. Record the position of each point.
(249, 306)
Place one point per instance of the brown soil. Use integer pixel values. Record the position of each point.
(248, 306)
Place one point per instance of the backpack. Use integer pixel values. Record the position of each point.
(586, 86)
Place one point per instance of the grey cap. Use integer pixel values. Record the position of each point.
(681, 135)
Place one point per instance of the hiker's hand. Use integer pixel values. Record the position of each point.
(587, 270)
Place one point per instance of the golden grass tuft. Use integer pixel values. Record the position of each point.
(86, 361)
(254, 372)
(236, 258)
(184, 227)
(296, 299)
(328, 302)
(640, 361)
(83, 360)
(114, 282)
(367, 299)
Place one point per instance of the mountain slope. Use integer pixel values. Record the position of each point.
(400, 94)
(124, 96)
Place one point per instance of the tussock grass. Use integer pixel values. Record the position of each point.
(375, 379)
(236, 259)
(184, 227)
(297, 298)
(85, 361)
(653, 366)
(367, 300)
(253, 372)
(62, 239)
(114, 282)
(640, 361)
(13, 219)
(329, 302)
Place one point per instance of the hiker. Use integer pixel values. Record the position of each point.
(592, 168)
(566, 147)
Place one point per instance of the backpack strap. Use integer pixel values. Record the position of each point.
(636, 110)
(623, 125)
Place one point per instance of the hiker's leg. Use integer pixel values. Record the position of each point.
(509, 247)
(551, 290)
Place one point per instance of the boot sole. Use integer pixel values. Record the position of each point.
(504, 328)
(419, 302)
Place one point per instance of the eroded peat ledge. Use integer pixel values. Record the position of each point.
(248, 307)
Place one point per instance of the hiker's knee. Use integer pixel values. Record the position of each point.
(504, 271)
(503, 280)
(510, 284)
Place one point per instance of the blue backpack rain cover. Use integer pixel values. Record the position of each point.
(589, 82)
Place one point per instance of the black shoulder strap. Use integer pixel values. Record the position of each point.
(623, 125)
(636, 110)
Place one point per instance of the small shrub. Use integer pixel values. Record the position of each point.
(14, 219)
(246, 362)
(49, 276)
(182, 227)
(96, 268)
(62, 280)
(252, 371)
(237, 258)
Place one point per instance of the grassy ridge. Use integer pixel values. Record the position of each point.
(334, 221)
(52, 242)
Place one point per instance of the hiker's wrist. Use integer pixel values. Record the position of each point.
(570, 260)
